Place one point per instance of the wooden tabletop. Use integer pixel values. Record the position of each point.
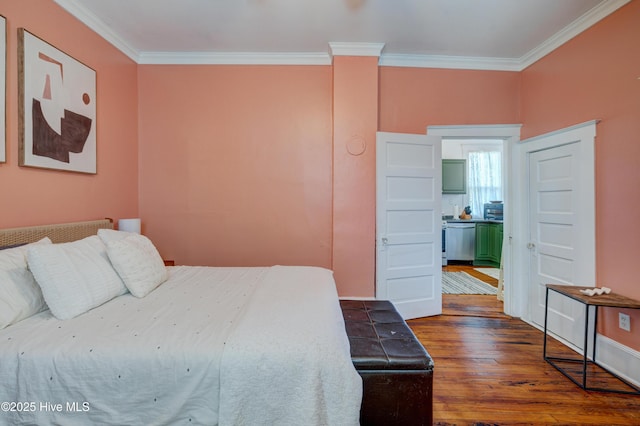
(610, 300)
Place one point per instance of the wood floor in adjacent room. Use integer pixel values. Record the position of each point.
(489, 370)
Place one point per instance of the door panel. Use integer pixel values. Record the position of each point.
(408, 189)
(411, 287)
(408, 222)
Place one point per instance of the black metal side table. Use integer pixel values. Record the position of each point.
(605, 300)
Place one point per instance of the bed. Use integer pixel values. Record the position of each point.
(206, 345)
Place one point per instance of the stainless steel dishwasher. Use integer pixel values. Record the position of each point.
(461, 241)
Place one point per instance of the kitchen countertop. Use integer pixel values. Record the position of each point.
(473, 221)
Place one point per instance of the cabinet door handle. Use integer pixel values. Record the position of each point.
(385, 241)
(531, 246)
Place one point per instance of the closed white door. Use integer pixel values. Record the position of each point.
(409, 223)
(562, 233)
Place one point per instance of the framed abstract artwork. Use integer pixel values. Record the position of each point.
(3, 89)
(56, 108)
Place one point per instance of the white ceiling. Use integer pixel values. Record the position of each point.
(478, 34)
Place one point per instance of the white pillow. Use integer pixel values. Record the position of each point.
(138, 263)
(74, 277)
(20, 296)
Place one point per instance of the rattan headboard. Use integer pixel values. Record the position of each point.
(59, 233)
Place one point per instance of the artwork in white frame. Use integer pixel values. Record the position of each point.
(3, 89)
(56, 108)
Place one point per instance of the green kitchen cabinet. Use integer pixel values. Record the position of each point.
(488, 250)
(454, 176)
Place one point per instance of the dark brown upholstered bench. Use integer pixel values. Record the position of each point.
(396, 370)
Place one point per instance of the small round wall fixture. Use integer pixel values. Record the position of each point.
(357, 145)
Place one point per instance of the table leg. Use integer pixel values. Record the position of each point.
(546, 312)
(586, 350)
(595, 332)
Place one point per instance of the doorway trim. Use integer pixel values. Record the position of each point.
(510, 134)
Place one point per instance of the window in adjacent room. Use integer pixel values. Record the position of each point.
(485, 179)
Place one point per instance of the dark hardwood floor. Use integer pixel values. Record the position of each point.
(489, 370)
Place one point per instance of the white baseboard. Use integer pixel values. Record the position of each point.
(618, 358)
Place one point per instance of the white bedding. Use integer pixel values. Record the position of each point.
(210, 345)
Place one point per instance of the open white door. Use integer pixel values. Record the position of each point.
(409, 223)
(561, 228)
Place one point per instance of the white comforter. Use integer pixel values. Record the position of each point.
(228, 346)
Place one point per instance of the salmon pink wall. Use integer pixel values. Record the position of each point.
(597, 76)
(355, 122)
(235, 163)
(250, 165)
(36, 196)
(413, 98)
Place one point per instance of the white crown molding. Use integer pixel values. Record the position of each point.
(455, 62)
(233, 58)
(581, 24)
(345, 48)
(339, 48)
(95, 24)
